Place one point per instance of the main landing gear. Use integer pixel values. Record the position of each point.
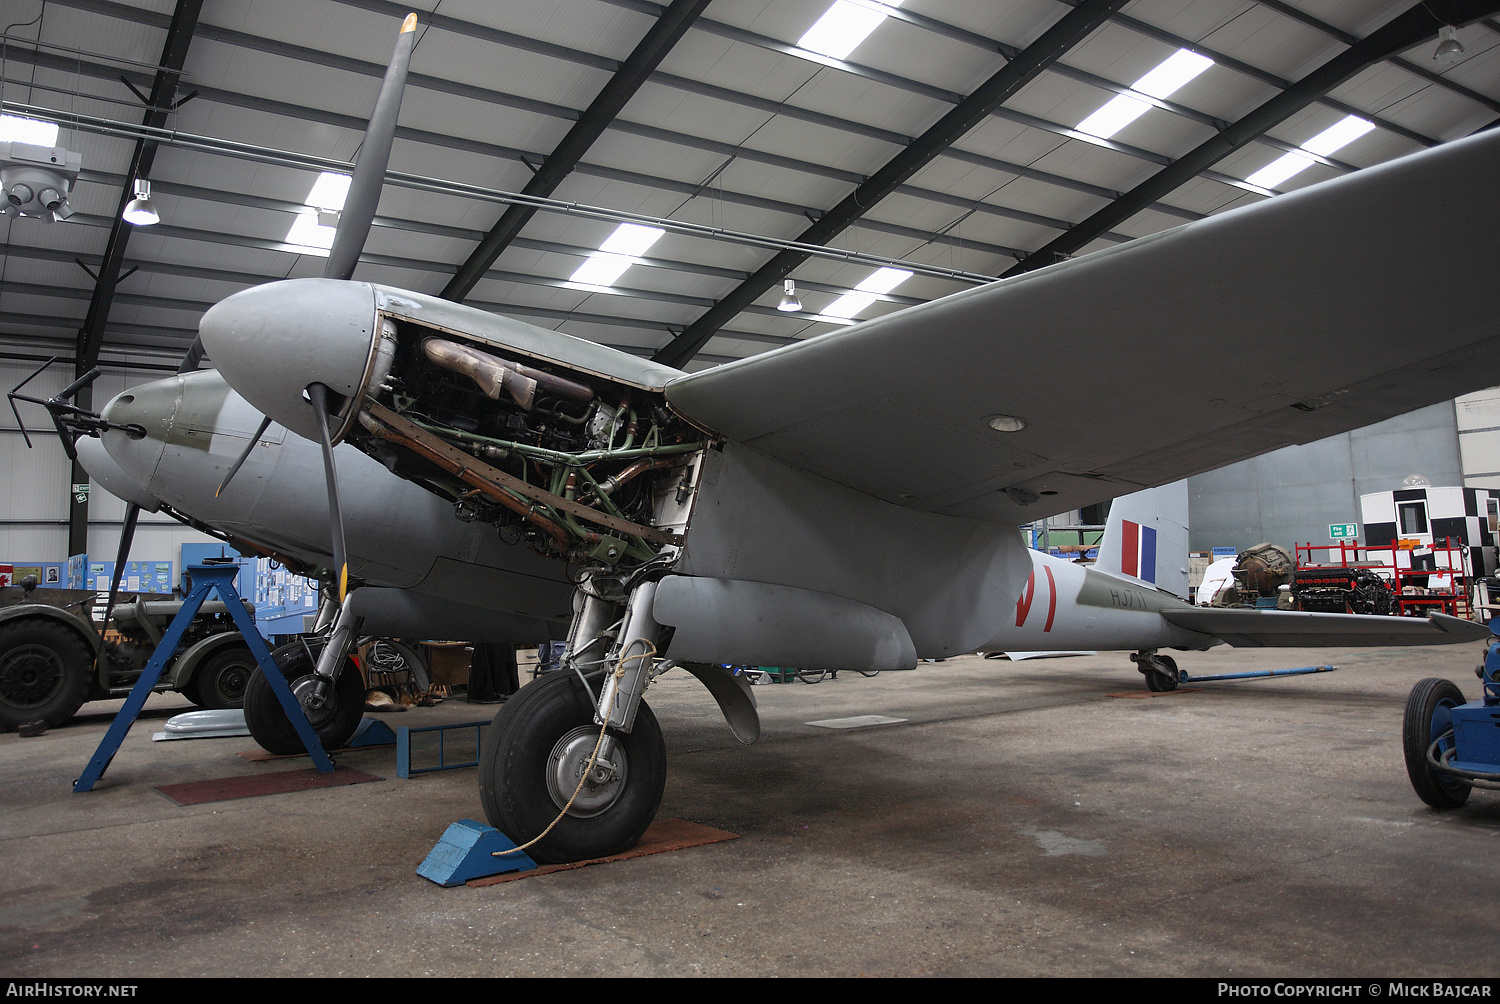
(325, 681)
(574, 765)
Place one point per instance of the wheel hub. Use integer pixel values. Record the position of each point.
(318, 708)
(566, 764)
(29, 677)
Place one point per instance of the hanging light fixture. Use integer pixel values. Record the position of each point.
(140, 209)
(1448, 47)
(789, 301)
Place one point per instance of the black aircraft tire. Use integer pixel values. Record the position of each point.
(1427, 699)
(221, 680)
(518, 748)
(1159, 684)
(267, 720)
(44, 673)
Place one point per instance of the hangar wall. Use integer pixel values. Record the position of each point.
(1291, 495)
(34, 490)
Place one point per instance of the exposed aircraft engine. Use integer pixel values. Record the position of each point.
(576, 465)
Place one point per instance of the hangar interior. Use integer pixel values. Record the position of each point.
(697, 183)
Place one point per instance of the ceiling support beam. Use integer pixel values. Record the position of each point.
(1067, 32)
(91, 334)
(643, 60)
(1402, 32)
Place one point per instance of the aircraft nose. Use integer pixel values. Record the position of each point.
(125, 466)
(270, 342)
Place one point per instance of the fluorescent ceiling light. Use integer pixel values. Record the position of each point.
(622, 250)
(1123, 109)
(1324, 144)
(15, 129)
(843, 26)
(880, 281)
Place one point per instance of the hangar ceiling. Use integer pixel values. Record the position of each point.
(959, 140)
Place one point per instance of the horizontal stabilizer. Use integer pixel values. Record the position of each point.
(1246, 628)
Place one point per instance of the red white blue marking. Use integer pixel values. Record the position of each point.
(1138, 551)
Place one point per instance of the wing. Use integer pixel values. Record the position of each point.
(1244, 628)
(1309, 314)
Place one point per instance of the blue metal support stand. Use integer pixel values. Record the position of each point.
(206, 579)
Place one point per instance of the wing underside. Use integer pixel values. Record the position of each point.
(1309, 314)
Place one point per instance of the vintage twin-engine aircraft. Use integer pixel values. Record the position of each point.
(851, 501)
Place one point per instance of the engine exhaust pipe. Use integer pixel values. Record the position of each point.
(495, 375)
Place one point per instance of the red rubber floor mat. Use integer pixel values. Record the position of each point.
(280, 782)
(662, 835)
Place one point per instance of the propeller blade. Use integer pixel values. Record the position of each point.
(127, 534)
(264, 424)
(319, 396)
(193, 357)
(369, 173)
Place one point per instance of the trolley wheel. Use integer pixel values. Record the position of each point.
(1429, 715)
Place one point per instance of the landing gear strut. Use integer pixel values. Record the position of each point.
(577, 769)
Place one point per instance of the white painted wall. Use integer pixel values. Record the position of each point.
(34, 483)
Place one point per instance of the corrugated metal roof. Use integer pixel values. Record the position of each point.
(736, 129)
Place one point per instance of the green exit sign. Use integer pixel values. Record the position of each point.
(1343, 531)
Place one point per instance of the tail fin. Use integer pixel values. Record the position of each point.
(1146, 538)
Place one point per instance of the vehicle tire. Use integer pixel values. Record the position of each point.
(1428, 716)
(528, 771)
(221, 678)
(1159, 684)
(44, 672)
(267, 720)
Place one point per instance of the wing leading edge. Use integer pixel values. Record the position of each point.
(1310, 314)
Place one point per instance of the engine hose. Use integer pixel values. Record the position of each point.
(588, 769)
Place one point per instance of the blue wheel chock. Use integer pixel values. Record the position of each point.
(371, 733)
(206, 579)
(467, 851)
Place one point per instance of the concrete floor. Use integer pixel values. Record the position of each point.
(1022, 822)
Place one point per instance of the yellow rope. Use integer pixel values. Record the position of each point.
(619, 674)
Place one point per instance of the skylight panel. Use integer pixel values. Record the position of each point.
(621, 250)
(843, 26)
(1324, 144)
(15, 129)
(880, 281)
(307, 234)
(329, 191)
(1123, 109)
(313, 230)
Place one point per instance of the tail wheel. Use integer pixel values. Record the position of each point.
(534, 754)
(1159, 683)
(44, 673)
(334, 724)
(1428, 717)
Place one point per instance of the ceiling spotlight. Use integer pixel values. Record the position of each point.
(36, 180)
(1006, 423)
(1448, 47)
(789, 301)
(140, 209)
